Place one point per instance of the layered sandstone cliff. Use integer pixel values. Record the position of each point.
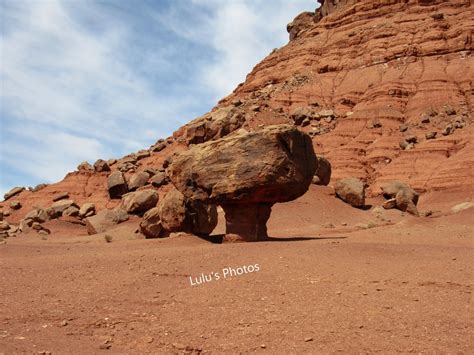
(371, 81)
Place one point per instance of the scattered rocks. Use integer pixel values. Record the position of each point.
(117, 185)
(323, 172)
(37, 215)
(101, 166)
(105, 220)
(60, 196)
(13, 192)
(139, 201)
(138, 180)
(351, 190)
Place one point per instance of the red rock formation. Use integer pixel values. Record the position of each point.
(377, 65)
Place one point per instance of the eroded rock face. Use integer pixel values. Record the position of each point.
(246, 174)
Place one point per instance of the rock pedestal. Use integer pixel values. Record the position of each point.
(247, 221)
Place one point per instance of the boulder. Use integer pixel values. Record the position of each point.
(71, 211)
(4, 226)
(300, 23)
(177, 214)
(60, 206)
(37, 215)
(351, 190)
(405, 197)
(117, 185)
(105, 220)
(139, 201)
(323, 172)
(247, 173)
(159, 179)
(85, 166)
(38, 187)
(138, 180)
(60, 196)
(302, 114)
(13, 192)
(151, 226)
(142, 154)
(101, 165)
(87, 210)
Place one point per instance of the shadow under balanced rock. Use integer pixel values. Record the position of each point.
(246, 173)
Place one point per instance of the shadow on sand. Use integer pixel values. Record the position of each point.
(218, 238)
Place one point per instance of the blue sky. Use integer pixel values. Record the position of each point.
(82, 79)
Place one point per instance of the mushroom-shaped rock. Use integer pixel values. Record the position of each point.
(246, 174)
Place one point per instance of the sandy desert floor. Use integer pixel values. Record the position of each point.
(325, 284)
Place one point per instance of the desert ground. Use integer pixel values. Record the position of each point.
(331, 279)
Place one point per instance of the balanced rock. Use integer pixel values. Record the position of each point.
(323, 172)
(138, 180)
(351, 190)
(246, 174)
(13, 192)
(105, 220)
(117, 185)
(139, 201)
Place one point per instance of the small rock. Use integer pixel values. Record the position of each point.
(411, 138)
(60, 196)
(72, 211)
(101, 165)
(425, 118)
(308, 339)
(449, 110)
(449, 129)
(64, 323)
(13, 192)
(87, 210)
(462, 206)
(389, 204)
(430, 135)
(85, 166)
(15, 205)
(403, 127)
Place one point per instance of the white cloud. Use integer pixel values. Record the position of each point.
(78, 82)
